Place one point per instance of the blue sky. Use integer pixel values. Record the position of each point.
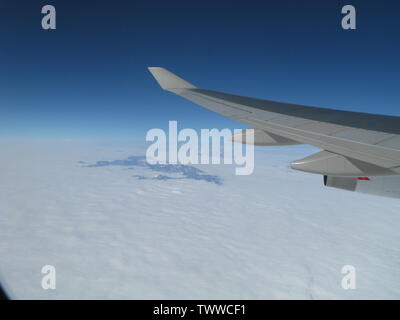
(88, 79)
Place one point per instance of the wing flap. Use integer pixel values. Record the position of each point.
(331, 164)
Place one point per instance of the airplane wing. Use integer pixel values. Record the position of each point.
(355, 145)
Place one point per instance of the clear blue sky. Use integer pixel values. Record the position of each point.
(88, 78)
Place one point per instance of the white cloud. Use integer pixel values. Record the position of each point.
(275, 234)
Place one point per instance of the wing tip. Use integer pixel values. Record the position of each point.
(168, 80)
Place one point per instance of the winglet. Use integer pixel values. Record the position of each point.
(169, 81)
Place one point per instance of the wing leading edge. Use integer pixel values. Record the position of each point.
(354, 143)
